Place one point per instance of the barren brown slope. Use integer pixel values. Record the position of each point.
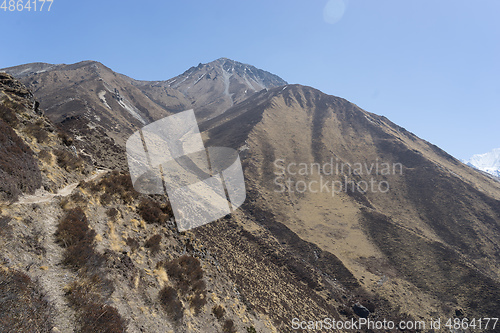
(429, 245)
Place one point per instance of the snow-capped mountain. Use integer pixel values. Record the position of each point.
(488, 162)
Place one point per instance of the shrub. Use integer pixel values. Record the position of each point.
(112, 213)
(45, 156)
(83, 255)
(171, 304)
(23, 307)
(78, 198)
(152, 212)
(197, 302)
(218, 311)
(228, 326)
(116, 184)
(187, 274)
(37, 131)
(186, 271)
(5, 227)
(251, 329)
(132, 243)
(106, 199)
(93, 315)
(74, 228)
(8, 115)
(153, 243)
(74, 234)
(19, 170)
(67, 160)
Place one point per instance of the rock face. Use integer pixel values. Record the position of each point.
(360, 310)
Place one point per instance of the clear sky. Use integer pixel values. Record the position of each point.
(431, 66)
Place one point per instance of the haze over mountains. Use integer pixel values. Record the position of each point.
(419, 240)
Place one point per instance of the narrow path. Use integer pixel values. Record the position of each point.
(55, 276)
(42, 196)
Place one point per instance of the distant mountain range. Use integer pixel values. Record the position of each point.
(488, 162)
(347, 214)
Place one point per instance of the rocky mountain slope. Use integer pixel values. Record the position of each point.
(432, 234)
(400, 231)
(214, 87)
(83, 252)
(102, 108)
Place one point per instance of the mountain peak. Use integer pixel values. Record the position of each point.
(215, 86)
(488, 162)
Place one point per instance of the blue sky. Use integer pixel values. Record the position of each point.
(429, 66)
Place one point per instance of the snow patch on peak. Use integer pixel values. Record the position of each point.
(488, 162)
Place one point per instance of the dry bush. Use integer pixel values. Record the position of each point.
(187, 274)
(83, 255)
(197, 302)
(78, 198)
(33, 242)
(218, 311)
(8, 115)
(73, 233)
(105, 199)
(23, 307)
(37, 131)
(74, 228)
(93, 315)
(153, 243)
(116, 184)
(87, 295)
(132, 243)
(67, 160)
(64, 136)
(19, 170)
(112, 213)
(152, 212)
(5, 227)
(186, 271)
(171, 304)
(228, 326)
(45, 156)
